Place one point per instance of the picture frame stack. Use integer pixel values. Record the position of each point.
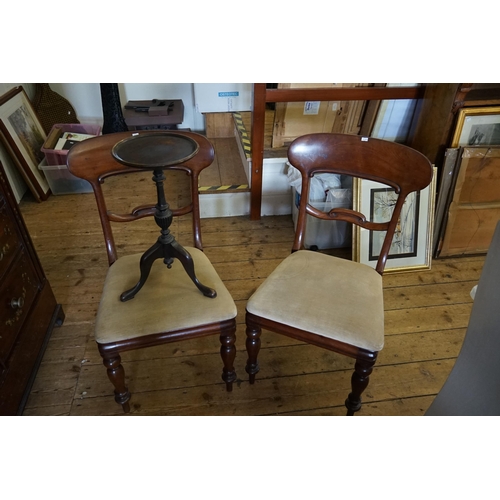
(468, 202)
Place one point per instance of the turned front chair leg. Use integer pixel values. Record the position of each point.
(228, 353)
(359, 382)
(116, 375)
(253, 348)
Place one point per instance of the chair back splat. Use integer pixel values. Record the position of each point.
(400, 167)
(323, 300)
(167, 292)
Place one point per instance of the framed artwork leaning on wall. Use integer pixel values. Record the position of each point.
(23, 136)
(411, 248)
(477, 127)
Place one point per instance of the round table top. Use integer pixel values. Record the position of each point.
(150, 151)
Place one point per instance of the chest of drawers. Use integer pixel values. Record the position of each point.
(28, 308)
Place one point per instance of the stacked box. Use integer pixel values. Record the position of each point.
(60, 180)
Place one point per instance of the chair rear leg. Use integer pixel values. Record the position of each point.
(228, 353)
(116, 375)
(253, 348)
(359, 382)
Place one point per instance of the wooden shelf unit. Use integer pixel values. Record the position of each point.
(262, 96)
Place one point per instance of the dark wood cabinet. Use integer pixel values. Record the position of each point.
(28, 310)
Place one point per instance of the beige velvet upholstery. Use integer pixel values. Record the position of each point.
(167, 305)
(326, 301)
(169, 291)
(315, 292)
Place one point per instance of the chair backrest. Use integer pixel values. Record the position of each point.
(473, 385)
(400, 167)
(93, 161)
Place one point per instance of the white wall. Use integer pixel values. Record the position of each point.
(86, 99)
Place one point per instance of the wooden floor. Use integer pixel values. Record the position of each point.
(227, 168)
(426, 317)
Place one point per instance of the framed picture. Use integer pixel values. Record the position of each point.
(477, 127)
(23, 136)
(411, 247)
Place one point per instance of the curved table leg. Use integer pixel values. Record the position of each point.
(147, 260)
(187, 262)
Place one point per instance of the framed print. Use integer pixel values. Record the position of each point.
(23, 136)
(411, 247)
(477, 127)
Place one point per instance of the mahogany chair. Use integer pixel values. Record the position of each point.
(324, 300)
(181, 300)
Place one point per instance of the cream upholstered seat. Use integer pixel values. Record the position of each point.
(167, 302)
(301, 293)
(177, 300)
(324, 300)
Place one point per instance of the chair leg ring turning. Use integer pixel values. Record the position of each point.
(359, 382)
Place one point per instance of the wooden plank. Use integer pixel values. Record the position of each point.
(48, 411)
(343, 94)
(219, 125)
(270, 396)
(469, 229)
(230, 164)
(406, 407)
(282, 361)
(443, 271)
(427, 318)
(257, 134)
(428, 295)
(211, 175)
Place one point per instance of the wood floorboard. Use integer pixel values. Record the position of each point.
(227, 168)
(426, 315)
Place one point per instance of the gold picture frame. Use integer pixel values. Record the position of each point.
(412, 246)
(477, 127)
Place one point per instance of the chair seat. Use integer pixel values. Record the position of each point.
(343, 299)
(169, 291)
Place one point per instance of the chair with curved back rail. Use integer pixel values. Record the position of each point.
(324, 300)
(183, 299)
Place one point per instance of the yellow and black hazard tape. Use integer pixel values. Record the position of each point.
(245, 140)
(232, 187)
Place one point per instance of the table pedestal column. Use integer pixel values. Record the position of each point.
(166, 247)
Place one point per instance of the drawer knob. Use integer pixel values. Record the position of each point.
(17, 303)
